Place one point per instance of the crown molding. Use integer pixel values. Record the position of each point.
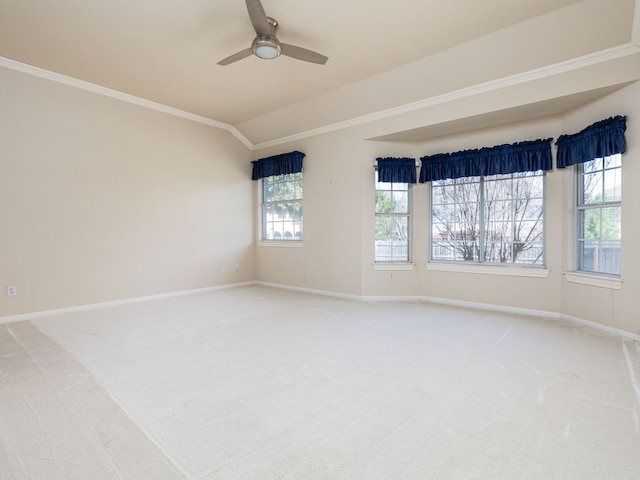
(577, 63)
(125, 97)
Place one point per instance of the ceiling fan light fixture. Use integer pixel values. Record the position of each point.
(266, 45)
(266, 48)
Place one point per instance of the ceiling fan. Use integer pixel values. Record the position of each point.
(266, 45)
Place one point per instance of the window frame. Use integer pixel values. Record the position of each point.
(262, 214)
(581, 206)
(381, 264)
(481, 265)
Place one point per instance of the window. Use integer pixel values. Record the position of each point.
(599, 215)
(497, 219)
(282, 207)
(393, 221)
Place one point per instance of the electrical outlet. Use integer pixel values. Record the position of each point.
(236, 268)
(392, 276)
(11, 291)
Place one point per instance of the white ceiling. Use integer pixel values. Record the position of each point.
(166, 51)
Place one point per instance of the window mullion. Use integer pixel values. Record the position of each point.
(514, 202)
(481, 239)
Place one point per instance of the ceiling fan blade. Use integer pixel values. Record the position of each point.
(258, 18)
(303, 54)
(236, 56)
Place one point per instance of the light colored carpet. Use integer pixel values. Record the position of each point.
(257, 383)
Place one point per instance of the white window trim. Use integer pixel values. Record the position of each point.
(381, 264)
(492, 268)
(572, 220)
(281, 243)
(574, 275)
(273, 243)
(487, 269)
(601, 281)
(393, 266)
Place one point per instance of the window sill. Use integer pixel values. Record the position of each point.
(594, 280)
(280, 243)
(533, 272)
(382, 266)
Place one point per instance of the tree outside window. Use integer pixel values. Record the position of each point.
(282, 207)
(497, 219)
(599, 215)
(392, 222)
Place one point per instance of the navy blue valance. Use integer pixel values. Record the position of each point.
(277, 165)
(400, 170)
(528, 156)
(602, 139)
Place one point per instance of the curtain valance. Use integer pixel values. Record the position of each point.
(399, 170)
(599, 140)
(281, 164)
(528, 156)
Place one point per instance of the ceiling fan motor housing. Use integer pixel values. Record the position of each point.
(267, 47)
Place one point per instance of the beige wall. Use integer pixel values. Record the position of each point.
(103, 200)
(337, 255)
(615, 308)
(331, 257)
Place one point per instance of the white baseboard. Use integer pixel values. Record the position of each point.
(115, 303)
(377, 298)
(535, 313)
(324, 293)
(466, 304)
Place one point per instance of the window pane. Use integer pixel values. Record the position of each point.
(592, 188)
(382, 185)
(442, 251)
(529, 209)
(455, 220)
(392, 228)
(467, 251)
(613, 185)
(463, 215)
(467, 191)
(438, 195)
(282, 187)
(600, 257)
(599, 222)
(528, 185)
(392, 238)
(274, 230)
(282, 207)
(506, 219)
(384, 202)
(613, 161)
(498, 252)
(401, 202)
(392, 199)
(609, 258)
(528, 241)
(498, 210)
(392, 221)
(499, 232)
(593, 165)
(498, 242)
(532, 255)
(514, 218)
(589, 224)
(610, 226)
